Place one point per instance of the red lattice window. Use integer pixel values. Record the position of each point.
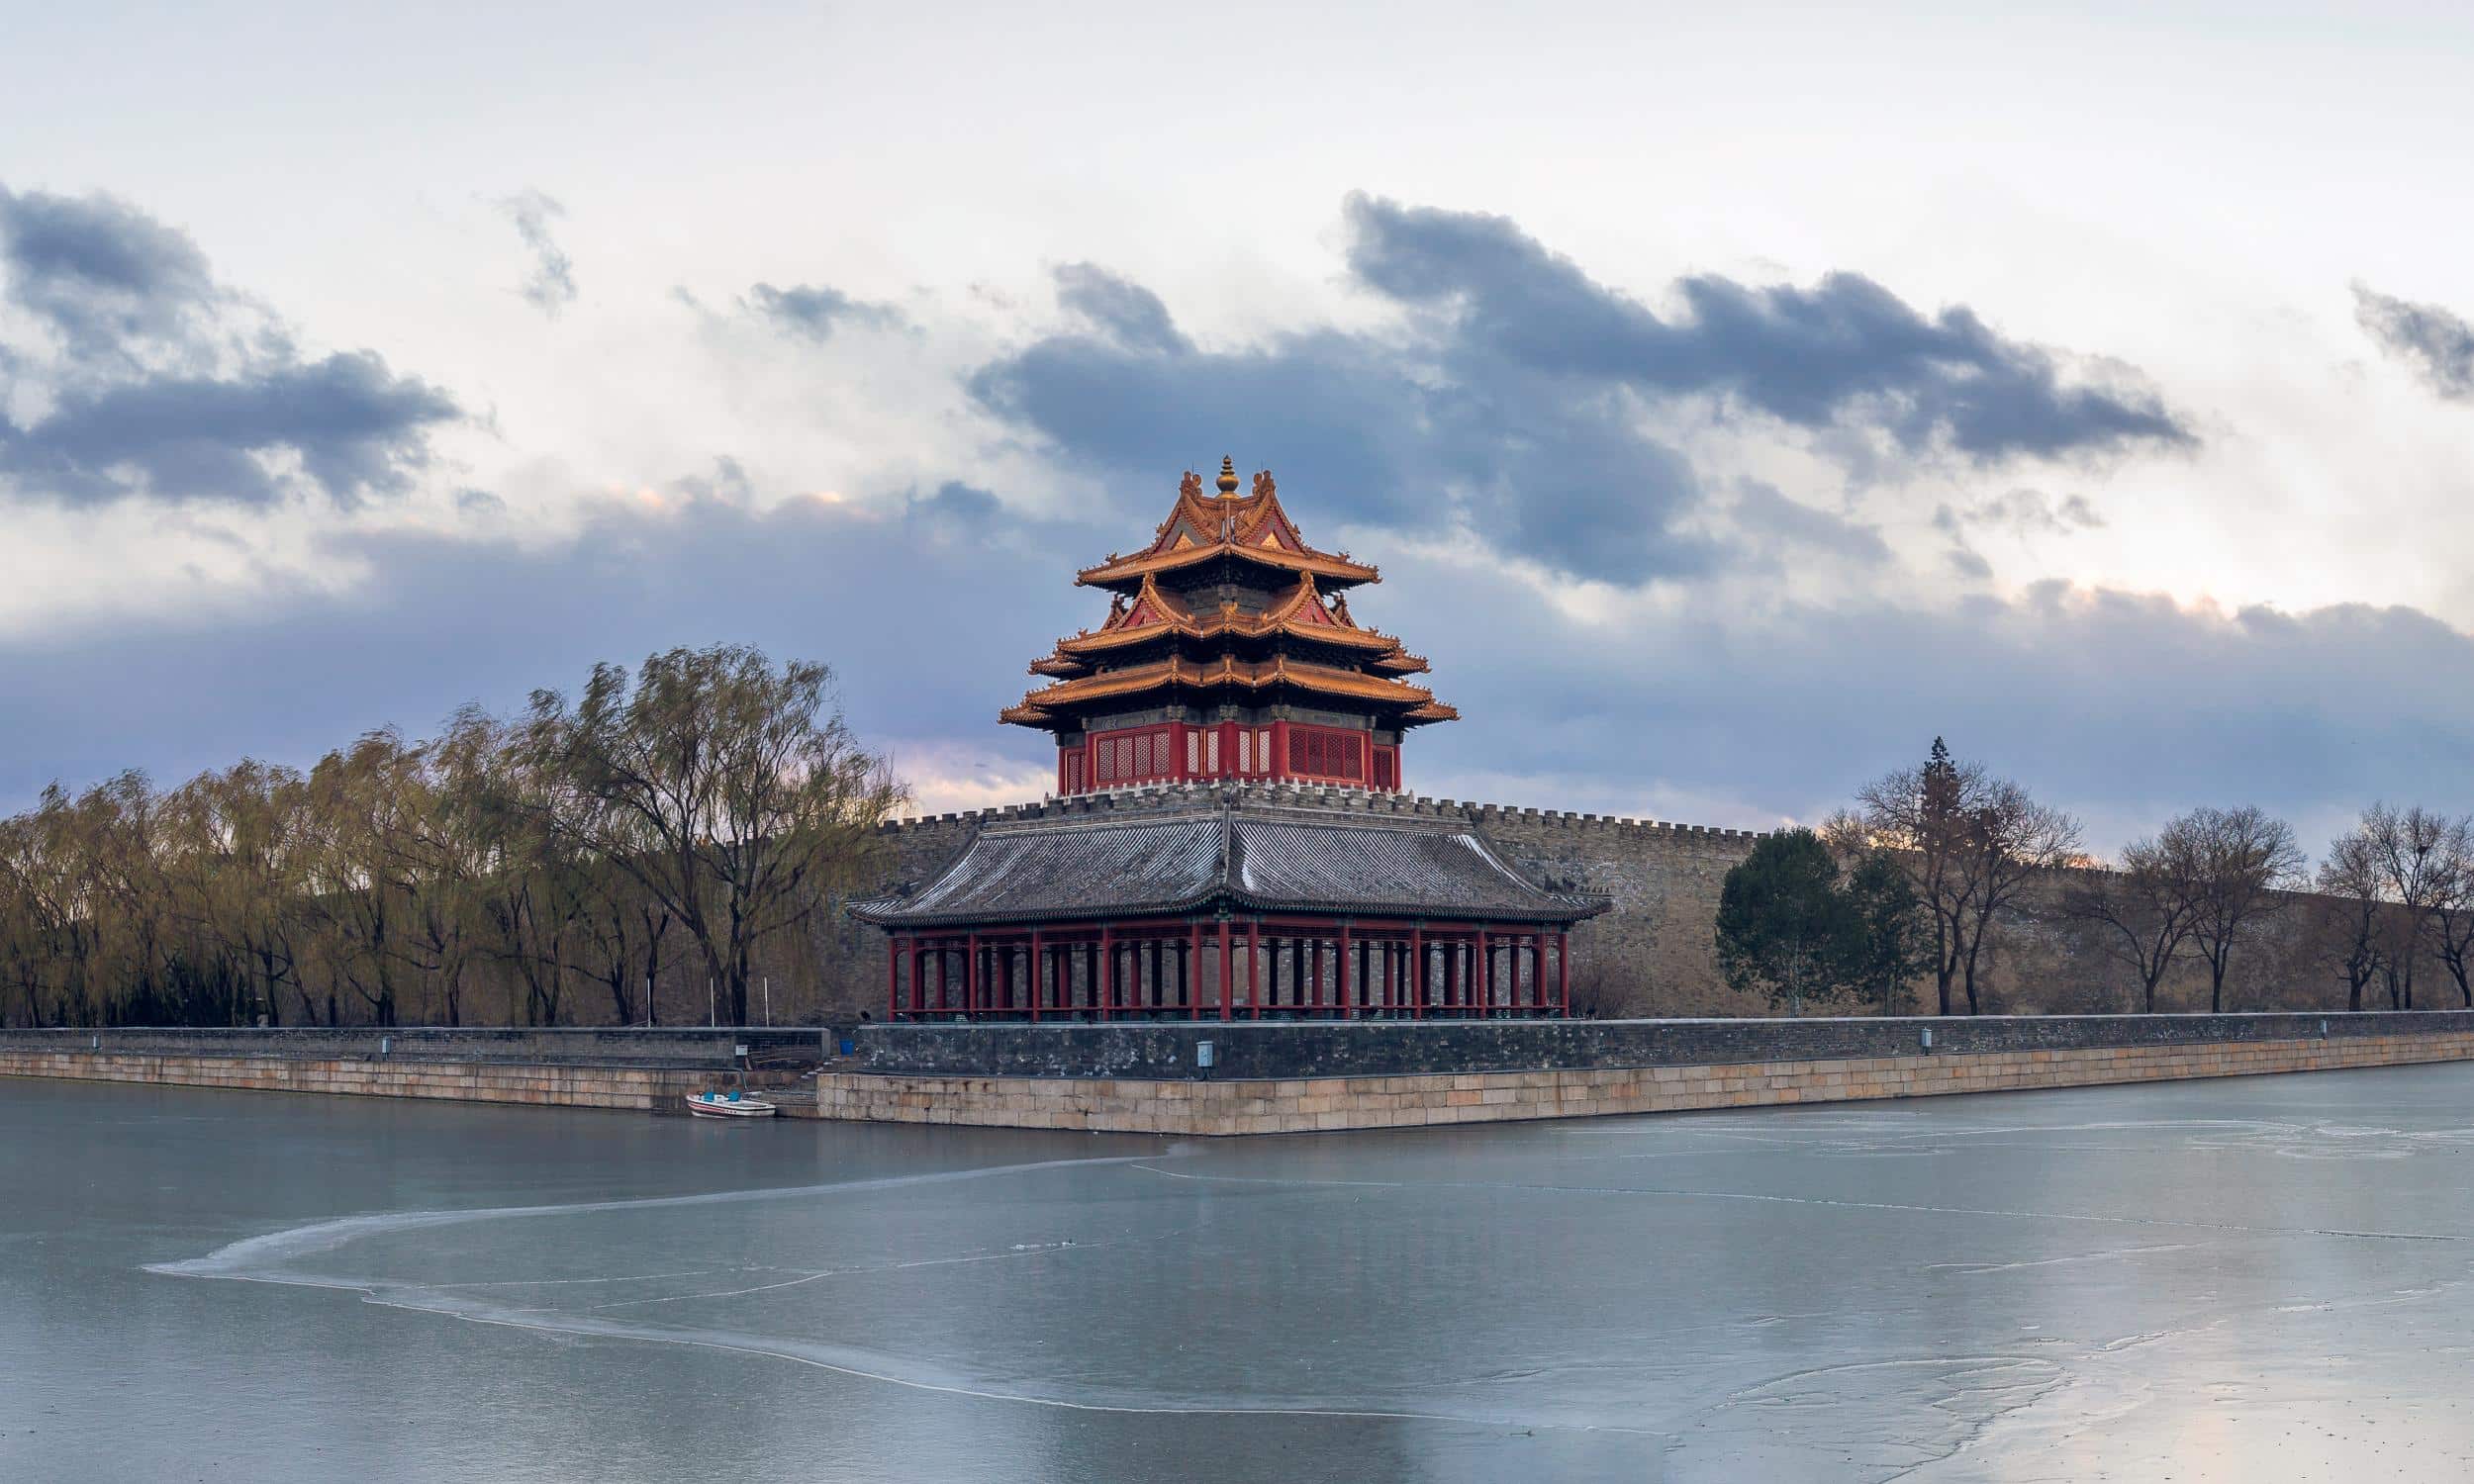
(1122, 759)
(1326, 751)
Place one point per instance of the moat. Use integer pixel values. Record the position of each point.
(2242, 1278)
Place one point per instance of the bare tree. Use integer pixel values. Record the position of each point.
(1973, 841)
(2143, 910)
(2452, 914)
(2416, 852)
(2351, 881)
(2239, 866)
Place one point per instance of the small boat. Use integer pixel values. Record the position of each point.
(732, 1105)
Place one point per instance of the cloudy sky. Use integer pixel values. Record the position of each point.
(1734, 397)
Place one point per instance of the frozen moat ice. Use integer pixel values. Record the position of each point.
(2241, 1279)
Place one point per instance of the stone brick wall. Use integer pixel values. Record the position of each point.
(1323, 1104)
(598, 1046)
(642, 1089)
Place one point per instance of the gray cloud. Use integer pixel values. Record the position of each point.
(1118, 308)
(350, 423)
(1765, 509)
(2123, 706)
(2023, 511)
(1844, 351)
(551, 285)
(165, 385)
(1515, 398)
(1968, 563)
(2437, 346)
(100, 274)
(1376, 435)
(813, 312)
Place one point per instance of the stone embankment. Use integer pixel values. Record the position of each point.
(1146, 1078)
(647, 1071)
(1157, 1077)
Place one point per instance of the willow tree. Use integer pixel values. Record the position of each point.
(729, 791)
(360, 825)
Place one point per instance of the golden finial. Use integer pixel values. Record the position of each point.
(1228, 477)
(1191, 486)
(1262, 483)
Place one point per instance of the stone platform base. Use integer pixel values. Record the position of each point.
(1165, 1106)
(644, 1089)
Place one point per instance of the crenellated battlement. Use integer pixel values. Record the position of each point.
(1164, 796)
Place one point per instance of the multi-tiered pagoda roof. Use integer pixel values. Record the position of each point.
(1228, 602)
(1229, 651)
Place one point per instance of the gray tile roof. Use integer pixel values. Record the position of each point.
(1230, 856)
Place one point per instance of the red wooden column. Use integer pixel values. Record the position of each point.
(1417, 971)
(971, 972)
(1103, 989)
(1564, 971)
(892, 977)
(1228, 966)
(1039, 967)
(1340, 973)
(1254, 969)
(1483, 970)
(1193, 975)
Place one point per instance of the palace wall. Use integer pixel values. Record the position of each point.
(1651, 954)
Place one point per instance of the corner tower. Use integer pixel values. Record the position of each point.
(1228, 653)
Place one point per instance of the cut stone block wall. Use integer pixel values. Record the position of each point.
(593, 1045)
(643, 1088)
(1321, 1104)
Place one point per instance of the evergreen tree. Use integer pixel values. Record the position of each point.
(1890, 939)
(1782, 923)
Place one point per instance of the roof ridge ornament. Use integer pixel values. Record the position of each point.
(1228, 477)
(1191, 486)
(1263, 482)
